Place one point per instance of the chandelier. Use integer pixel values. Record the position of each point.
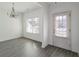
(12, 13)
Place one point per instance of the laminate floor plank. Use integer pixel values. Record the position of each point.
(23, 47)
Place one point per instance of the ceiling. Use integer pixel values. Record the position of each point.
(19, 6)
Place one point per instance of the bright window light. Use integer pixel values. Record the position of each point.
(61, 26)
(32, 25)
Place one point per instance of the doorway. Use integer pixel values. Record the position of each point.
(62, 30)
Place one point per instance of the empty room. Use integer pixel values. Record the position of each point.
(39, 29)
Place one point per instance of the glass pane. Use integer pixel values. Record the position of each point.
(29, 26)
(32, 25)
(61, 26)
(36, 26)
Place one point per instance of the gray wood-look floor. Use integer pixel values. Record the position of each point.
(23, 47)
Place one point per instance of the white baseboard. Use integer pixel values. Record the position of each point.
(10, 38)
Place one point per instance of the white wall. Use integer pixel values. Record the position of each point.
(74, 8)
(9, 28)
(45, 27)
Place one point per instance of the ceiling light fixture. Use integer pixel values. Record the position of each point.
(12, 14)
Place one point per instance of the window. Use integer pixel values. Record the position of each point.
(61, 26)
(32, 25)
